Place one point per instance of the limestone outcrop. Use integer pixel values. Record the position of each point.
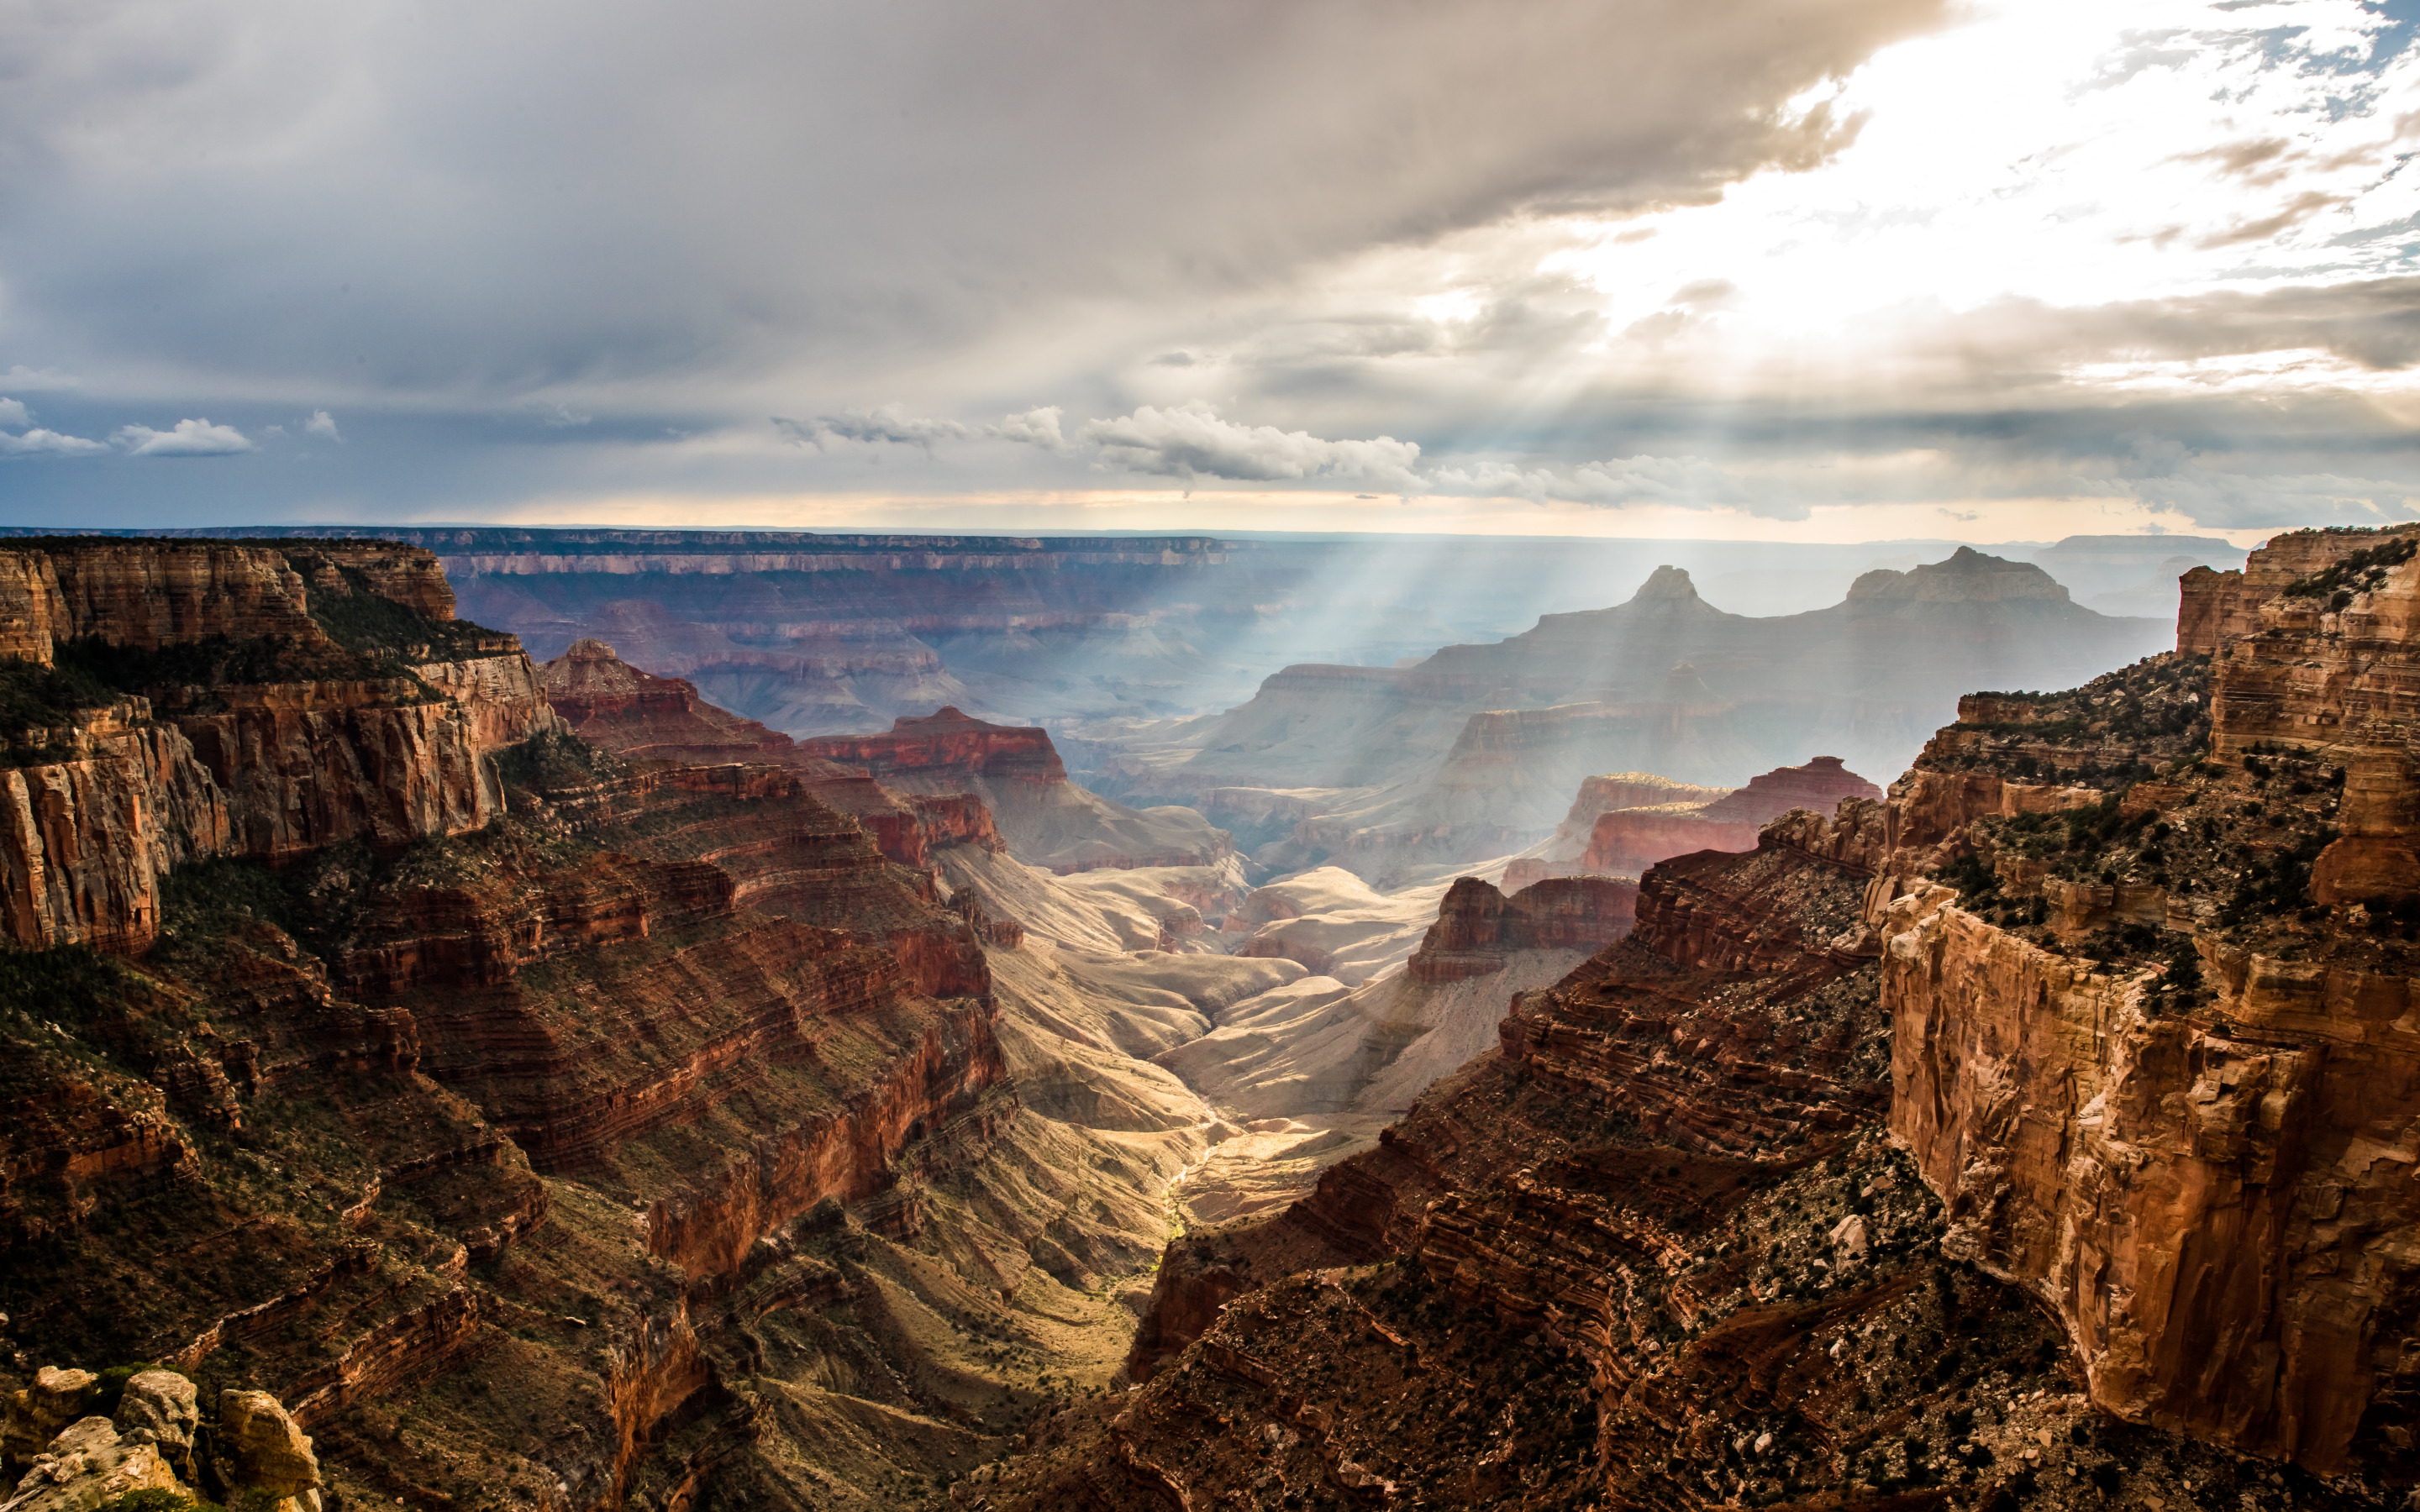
(73, 1460)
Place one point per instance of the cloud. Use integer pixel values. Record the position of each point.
(14, 412)
(48, 443)
(1035, 427)
(323, 425)
(431, 220)
(889, 425)
(191, 438)
(25, 379)
(1191, 441)
(2248, 500)
(1615, 483)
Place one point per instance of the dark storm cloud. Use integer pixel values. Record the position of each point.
(448, 203)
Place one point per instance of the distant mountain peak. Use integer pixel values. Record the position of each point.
(1966, 575)
(1666, 581)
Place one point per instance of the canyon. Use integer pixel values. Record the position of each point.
(2030, 1136)
(560, 1088)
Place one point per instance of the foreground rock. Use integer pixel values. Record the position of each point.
(659, 1131)
(258, 1456)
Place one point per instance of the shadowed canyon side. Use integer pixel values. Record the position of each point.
(2122, 973)
(1474, 751)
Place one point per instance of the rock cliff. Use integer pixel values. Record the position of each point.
(1477, 926)
(2145, 1026)
(1044, 818)
(639, 714)
(213, 699)
(649, 1129)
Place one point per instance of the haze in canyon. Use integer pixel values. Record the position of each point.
(1562, 757)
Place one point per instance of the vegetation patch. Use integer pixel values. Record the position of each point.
(2363, 571)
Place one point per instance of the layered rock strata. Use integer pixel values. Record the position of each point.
(386, 746)
(1477, 926)
(2148, 1026)
(620, 1147)
(2139, 1050)
(1045, 819)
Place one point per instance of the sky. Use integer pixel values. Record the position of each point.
(1777, 270)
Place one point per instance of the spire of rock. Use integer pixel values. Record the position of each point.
(1667, 582)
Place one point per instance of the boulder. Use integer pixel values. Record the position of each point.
(87, 1464)
(258, 1447)
(36, 1414)
(161, 1407)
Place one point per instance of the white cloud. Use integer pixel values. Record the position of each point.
(29, 380)
(1191, 441)
(1035, 428)
(323, 425)
(14, 412)
(889, 423)
(191, 438)
(47, 443)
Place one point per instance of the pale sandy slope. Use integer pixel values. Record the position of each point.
(1278, 1070)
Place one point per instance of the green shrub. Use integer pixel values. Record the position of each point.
(70, 984)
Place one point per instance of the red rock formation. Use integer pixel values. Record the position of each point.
(614, 704)
(267, 770)
(1629, 841)
(1632, 839)
(1477, 926)
(636, 714)
(2201, 1170)
(1819, 785)
(950, 745)
(1623, 789)
(1044, 818)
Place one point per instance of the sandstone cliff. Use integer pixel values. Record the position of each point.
(639, 714)
(2137, 1042)
(239, 700)
(1477, 926)
(2147, 1042)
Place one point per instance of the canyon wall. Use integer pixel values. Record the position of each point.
(380, 737)
(2176, 1108)
(1042, 818)
(513, 1078)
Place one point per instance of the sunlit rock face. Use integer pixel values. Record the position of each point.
(243, 700)
(2171, 1106)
